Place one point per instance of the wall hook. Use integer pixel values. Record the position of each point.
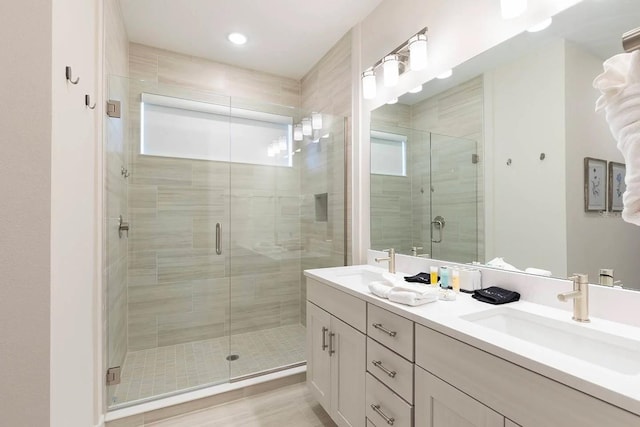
(69, 74)
(87, 102)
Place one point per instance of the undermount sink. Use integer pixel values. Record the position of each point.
(597, 347)
(360, 275)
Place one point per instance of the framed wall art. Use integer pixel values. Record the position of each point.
(617, 186)
(595, 184)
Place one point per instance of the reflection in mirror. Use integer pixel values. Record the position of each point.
(527, 106)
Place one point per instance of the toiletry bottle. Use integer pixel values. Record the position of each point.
(433, 275)
(455, 280)
(444, 277)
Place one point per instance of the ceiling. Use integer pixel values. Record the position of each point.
(286, 37)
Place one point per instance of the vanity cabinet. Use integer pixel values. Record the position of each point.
(439, 404)
(336, 352)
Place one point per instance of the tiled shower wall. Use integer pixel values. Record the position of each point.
(327, 88)
(179, 289)
(115, 253)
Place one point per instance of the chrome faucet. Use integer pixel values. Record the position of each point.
(580, 296)
(391, 258)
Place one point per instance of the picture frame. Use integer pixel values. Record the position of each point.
(595, 184)
(617, 186)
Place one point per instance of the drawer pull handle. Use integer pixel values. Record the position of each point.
(385, 330)
(331, 349)
(389, 420)
(378, 363)
(324, 338)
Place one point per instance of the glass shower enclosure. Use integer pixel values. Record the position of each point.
(213, 208)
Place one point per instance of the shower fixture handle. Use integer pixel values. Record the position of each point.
(218, 238)
(122, 227)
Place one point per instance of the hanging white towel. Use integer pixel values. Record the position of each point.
(620, 87)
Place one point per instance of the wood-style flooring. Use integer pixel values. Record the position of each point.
(290, 406)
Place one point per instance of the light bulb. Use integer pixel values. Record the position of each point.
(307, 130)
(297, 132)
(316, 120)
(540, 26)
(369, 84)
(390, 65)
(418, 52)
(512, 8)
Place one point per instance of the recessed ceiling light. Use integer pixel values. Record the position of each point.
(446, 74)
(237, 38)
(540, 26)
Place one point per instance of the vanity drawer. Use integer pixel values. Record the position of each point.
(382, 402)
(391, 369)
(345, 307)
(392, 330)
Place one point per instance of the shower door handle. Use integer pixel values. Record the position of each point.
(218, 238)
(439, 224)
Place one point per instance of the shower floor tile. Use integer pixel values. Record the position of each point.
(165, 370)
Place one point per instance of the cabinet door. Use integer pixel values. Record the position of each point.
(439, 404)
(348, 361)
(318, 360)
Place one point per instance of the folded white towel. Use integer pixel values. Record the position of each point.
(620, 87)
(380, 289)
(411, 298)
(420, 290)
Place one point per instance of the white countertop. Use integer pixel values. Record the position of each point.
(619, 389)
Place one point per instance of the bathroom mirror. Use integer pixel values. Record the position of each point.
(528, 106)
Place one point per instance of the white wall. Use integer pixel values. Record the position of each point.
(75, 212)
(25, 191)
(594, 241)
(527, 198)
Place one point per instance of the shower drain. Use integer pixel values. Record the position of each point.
(232, 357)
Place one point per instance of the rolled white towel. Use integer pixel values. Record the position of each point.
(411, 298)
(380, 289)
(620, 87)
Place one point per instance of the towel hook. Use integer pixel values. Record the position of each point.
(87, 102)
(69, 74)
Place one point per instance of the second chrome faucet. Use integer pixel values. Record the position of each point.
(391, 258)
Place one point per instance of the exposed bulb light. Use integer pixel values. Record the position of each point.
(369, 84)
(307, 130)
(316, 121)
(416, 89)
(512, 8)
(418, 52)
(445, 75)
(392, 101)
(282, 143)
(391, 67)
(297, 133)
(541, 26)
(237, 38)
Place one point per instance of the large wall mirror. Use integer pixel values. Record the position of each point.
(490, 162)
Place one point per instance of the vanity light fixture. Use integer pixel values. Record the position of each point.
(316, 121)
(416, 89)
(512, 8)
(237, 38)
(391, 68)
(369, 84)
(418, 52)
(540, 26)
(307, 130)
(445, 74)
(411, 54)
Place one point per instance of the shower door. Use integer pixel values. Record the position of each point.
(453, 222)
(167, 277)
